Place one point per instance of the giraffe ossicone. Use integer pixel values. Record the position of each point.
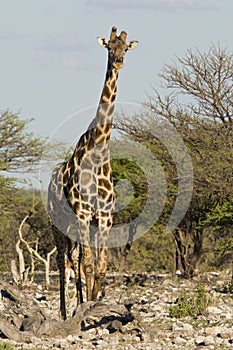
(81, 189)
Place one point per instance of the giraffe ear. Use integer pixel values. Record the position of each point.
(102, 41)
(132, 44)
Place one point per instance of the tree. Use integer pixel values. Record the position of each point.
(220, 222)
(36, 231)
(205, 77)
(33, 249)
(20, 153)
(129, 185)
(200, 107)
(137, 185)
(20, 150)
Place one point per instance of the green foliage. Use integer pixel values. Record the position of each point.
(129, 185)
(219, 223)
(36, 230)
(155, 249)
(191, 303)
(6, 346)
(19, 149)
(205, 125)
(221, 215)
(20, 153)
(226, 288)
(206, 128)
(223, 252)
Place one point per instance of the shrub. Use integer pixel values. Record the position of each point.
(191, 303)
(6, 346)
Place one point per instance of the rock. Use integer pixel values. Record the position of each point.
(31, 324)
(226, 333)
(89, 334)
(209, 340)
(214, 310)
(137, 320)
(103, 332)
(188, 327)
(199, 340)
(114, 326)
(136, 339)
(70, 338)
(227, 344)
(99, 343)
(180, 341)
(190, 343)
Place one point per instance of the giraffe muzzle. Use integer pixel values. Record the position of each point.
(118, 63)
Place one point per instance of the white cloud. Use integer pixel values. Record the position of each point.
(156, 4)
(63, 52)
(60, 45)
(55, 60)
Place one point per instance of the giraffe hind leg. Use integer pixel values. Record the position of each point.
(60, 243)
(79, 282)
(62, 277)
(75, 258)
(78, 278)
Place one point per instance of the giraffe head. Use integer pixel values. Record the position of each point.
(117, 47)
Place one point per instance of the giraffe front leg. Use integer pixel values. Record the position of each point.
(100, 272)
(88, 267)
(87, 257)
(105, 224)
(76, 257)
(86, 253)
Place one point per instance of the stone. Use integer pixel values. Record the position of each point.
(187, 327)
(114, 326)
(209, 340)
(199, 340)
(103, 332)
(151, 329)
(214, 310)
(88, 335)
(226, 333)
(190, 343)
(228, 316)
(31, 323)
(180, 340)
(70, 338)
(227, 344)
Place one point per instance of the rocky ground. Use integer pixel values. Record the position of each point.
(148, 322)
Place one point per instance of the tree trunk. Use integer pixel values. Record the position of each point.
(127, 248)
(188, 252)
(15, 272)
(21, 260)
(47, 268)
(34, 253)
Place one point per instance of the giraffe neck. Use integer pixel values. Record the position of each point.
(102, 124)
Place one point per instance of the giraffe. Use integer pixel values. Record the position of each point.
(81, 194)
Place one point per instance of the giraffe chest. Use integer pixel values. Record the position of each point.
(92, 188)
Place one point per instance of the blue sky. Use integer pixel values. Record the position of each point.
(52, 66)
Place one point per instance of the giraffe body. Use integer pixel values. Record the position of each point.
(81, 194)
